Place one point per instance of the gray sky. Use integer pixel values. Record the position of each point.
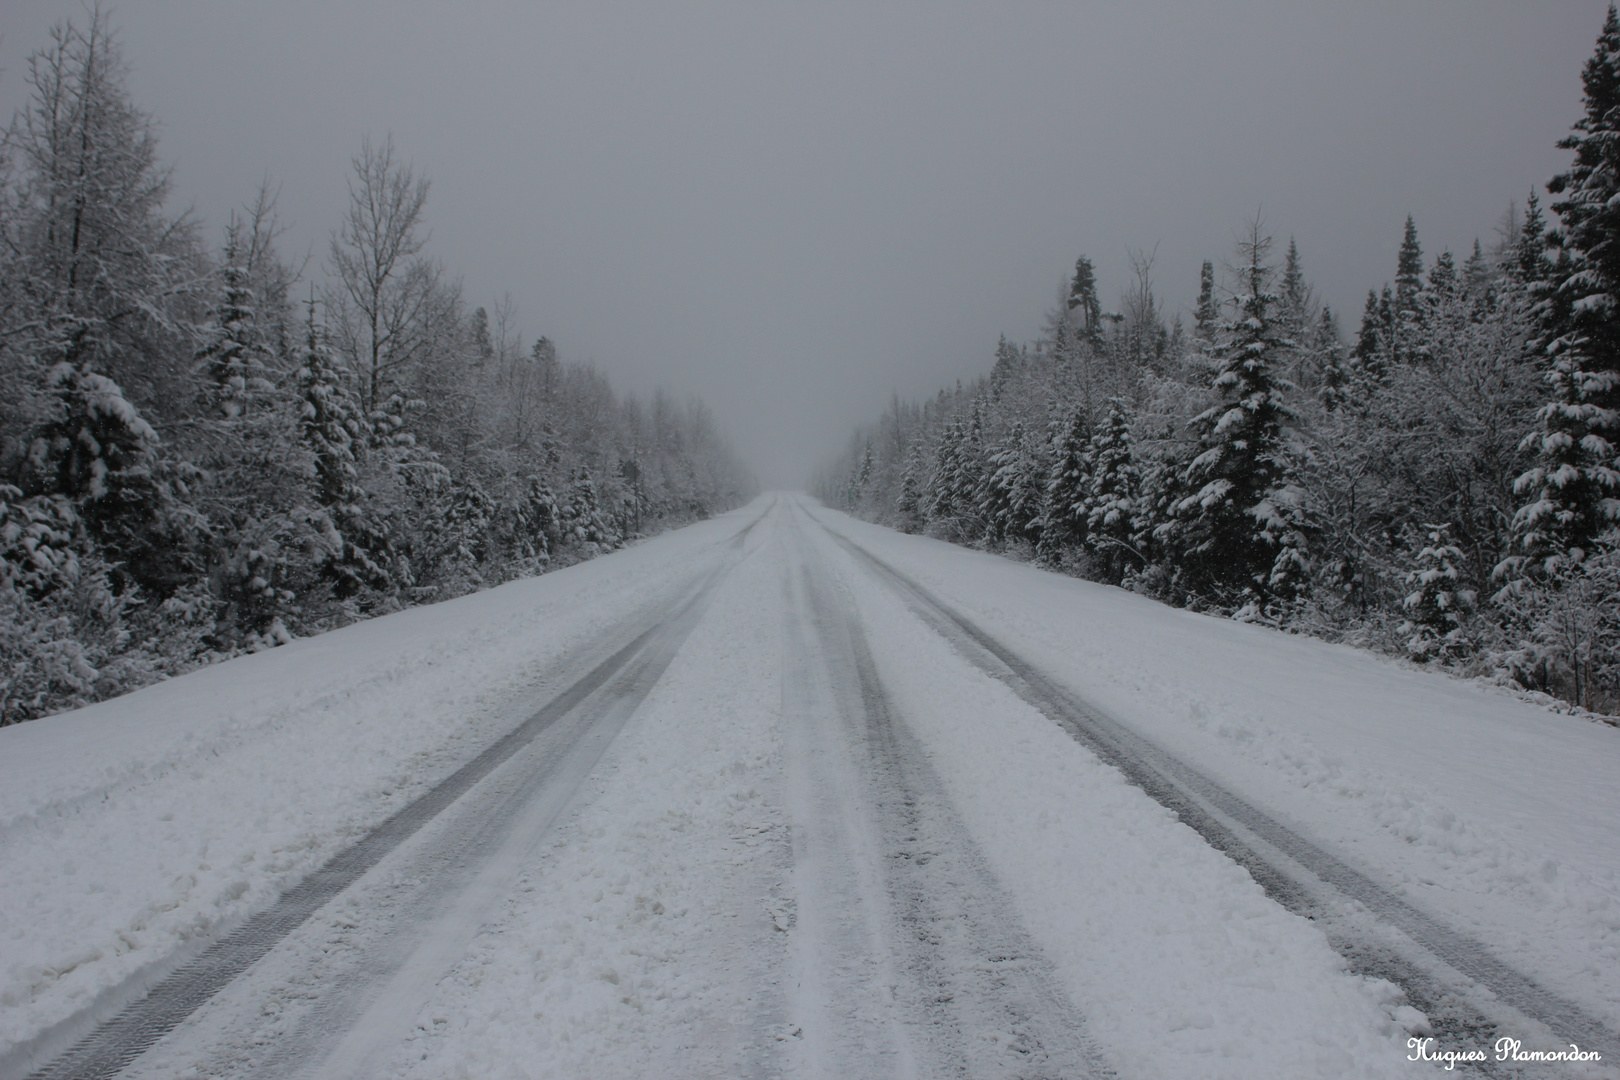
(793, 210)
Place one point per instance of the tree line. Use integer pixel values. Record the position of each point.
(204, 452)
(1445, 486)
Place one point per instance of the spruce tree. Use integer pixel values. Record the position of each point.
(1408, 272)
(1331, 388)
(232, 357)
(1083, 300)
(329, 419)
(1437, 604)
(1443, 277)
(941, 496)
(1013, 490)
(967, 485)
(582, 523)
(331, 425)
(1065, 516)
(1477, 275)
(1008, 360)
(1574, 487)
(537, 525)
(1369, 348)
(1208, 314)
(1405, 317)
(1294, 300)
(909, 504)
(1110, 504)
(1230, 528)
(1529, 256)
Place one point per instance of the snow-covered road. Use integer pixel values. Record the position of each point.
(785, 794)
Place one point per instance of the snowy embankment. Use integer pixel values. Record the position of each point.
(136, 828)
(1498, 816)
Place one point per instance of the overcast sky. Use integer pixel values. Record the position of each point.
(794, 210)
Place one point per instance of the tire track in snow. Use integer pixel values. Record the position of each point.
(612, 688)
(1442, 970)
(911, 961)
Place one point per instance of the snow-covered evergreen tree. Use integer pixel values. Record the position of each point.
(232, 358)
(537, 522)
(1228, 531)
(967, 486)
(1013, 490)
(1208, 312)
(1437, 604)
(582, 523)
(909, 505)
(329, 418)
(941, 504)
(1574, 487)
(1068, 487)
(1111, 503)
(1408, 273)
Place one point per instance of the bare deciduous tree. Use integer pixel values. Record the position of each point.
(386, 303)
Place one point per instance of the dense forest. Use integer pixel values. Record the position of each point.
(1445, 486)
(207, 450)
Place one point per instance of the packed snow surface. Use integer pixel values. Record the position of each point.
(721, 896)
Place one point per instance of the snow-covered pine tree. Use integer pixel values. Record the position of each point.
(1009, 359)
(1083, 302)
(967, 485)
(909, 504)
(1110, 505)
(232, 357)
(1437, 604)
(331, 425)
(940, 504)
(537, 525)
(464, 538)
(1478, 276)
(1013, 490)
(329, 418)
(1574, 487)
(583, 525)
(1407, 314)
(1443, 283)
(1529, 262)
(1294, 295)
(1330, 374)
(97, 450)
(1065, 516)
(1230, 530)
(1208, 313)
(1370, 339)
(863, 474)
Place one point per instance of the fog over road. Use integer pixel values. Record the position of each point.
(785, 794)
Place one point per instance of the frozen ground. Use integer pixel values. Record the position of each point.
(784, 818)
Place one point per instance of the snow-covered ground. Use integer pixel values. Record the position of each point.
(145, 825)
(1499, 816)
(823, 844)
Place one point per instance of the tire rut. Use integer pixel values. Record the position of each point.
(979, 1000)
(615, 684)
(1435, 965)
